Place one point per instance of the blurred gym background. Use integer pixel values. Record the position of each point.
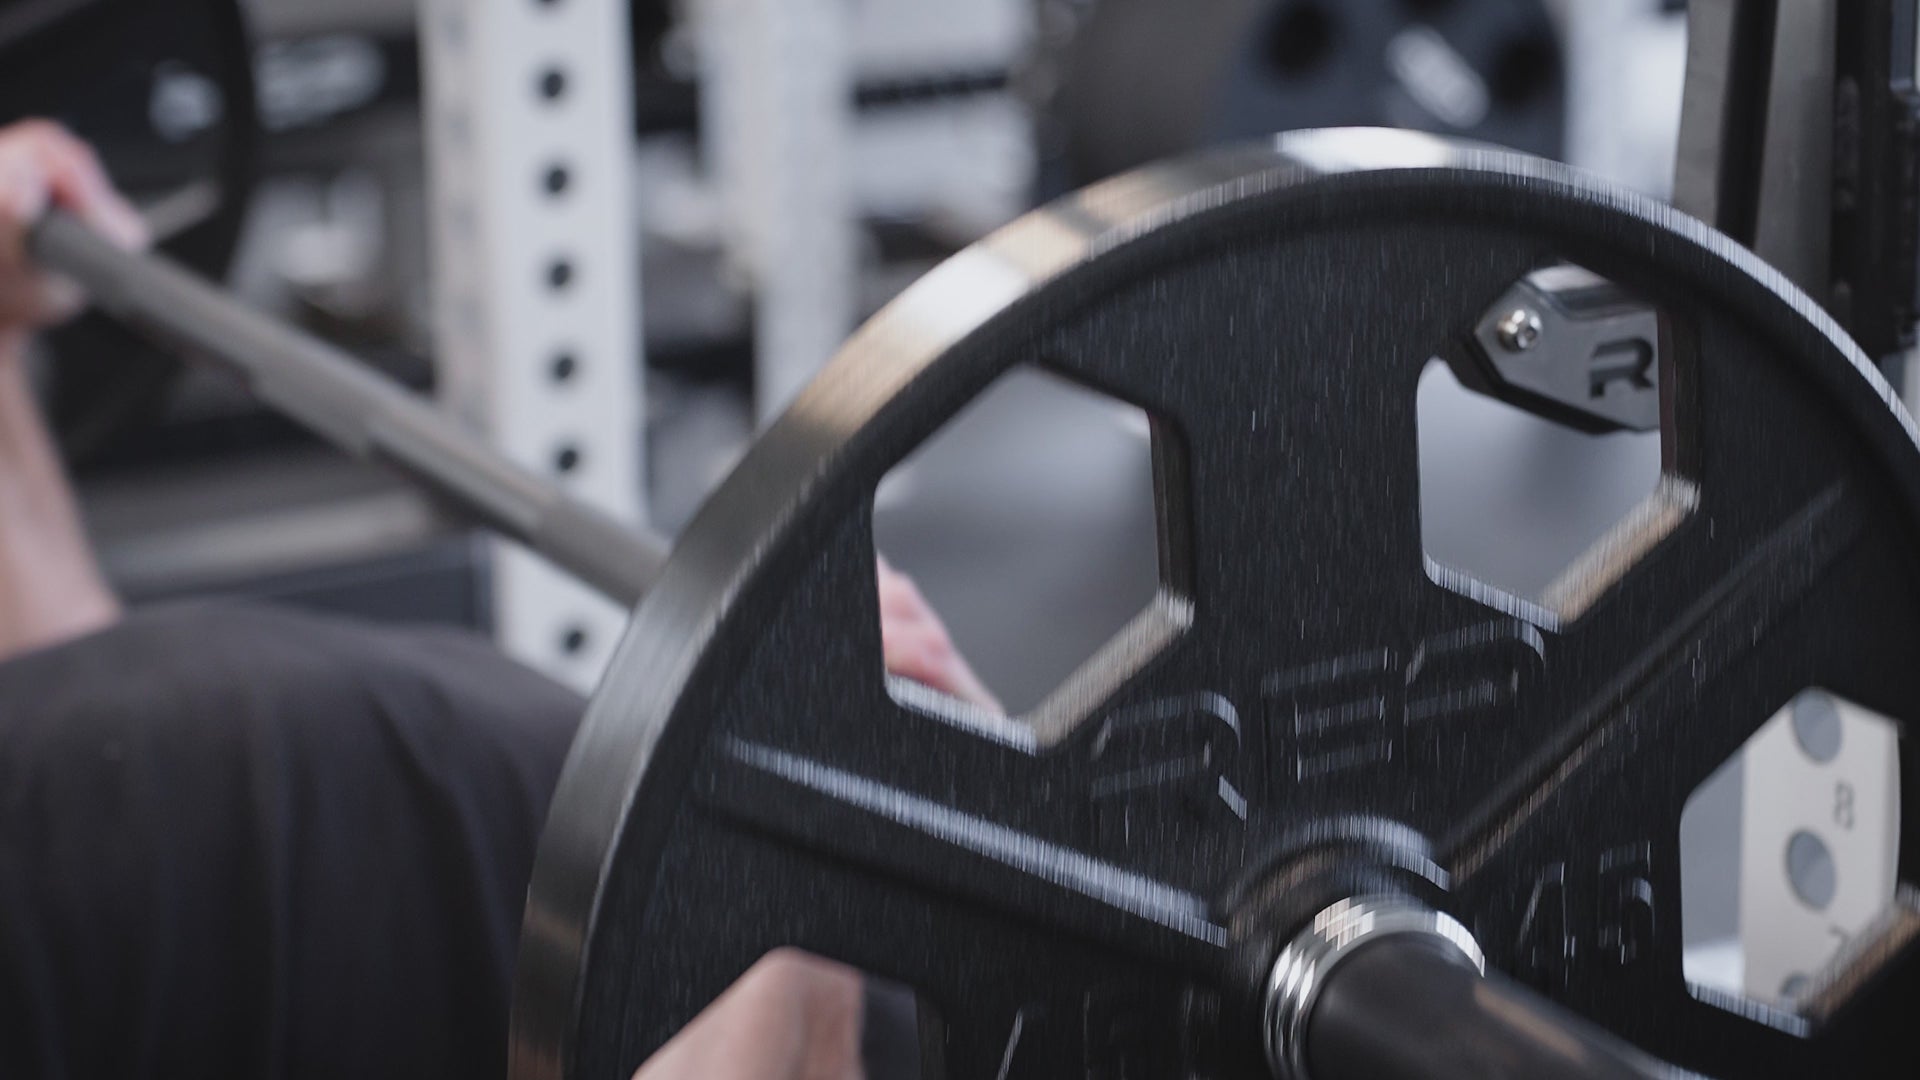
(708, 196)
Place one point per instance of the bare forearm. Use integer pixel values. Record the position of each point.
(51, 588)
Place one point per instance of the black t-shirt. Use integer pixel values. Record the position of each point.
(240, 841)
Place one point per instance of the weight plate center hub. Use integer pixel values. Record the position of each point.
(1313, 709)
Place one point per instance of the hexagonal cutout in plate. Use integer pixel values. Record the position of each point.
(1030, 525)
(1544, 452)
(1789, 857)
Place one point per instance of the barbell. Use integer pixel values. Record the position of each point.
(1326, 808)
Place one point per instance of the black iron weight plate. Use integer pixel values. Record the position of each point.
(744, 780)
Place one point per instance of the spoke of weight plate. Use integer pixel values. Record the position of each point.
(1033, 1011)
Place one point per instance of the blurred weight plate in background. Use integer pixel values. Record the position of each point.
(1131, 81)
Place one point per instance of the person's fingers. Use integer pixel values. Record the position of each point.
(917, 645)
(969, 686)
(24, 194)
(909, 656)
(922, 652)
(899, 596)
(27, 297)
(41, 165)
(790, 1017)
(954, 675)
(80, 184)
(934, 665)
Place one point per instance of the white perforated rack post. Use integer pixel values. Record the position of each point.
(529, 132)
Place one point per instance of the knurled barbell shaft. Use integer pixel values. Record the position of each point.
(352, 407)
(1410, 1007)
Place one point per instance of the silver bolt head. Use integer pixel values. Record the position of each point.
(1519, 329)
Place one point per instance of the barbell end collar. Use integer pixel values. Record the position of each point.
(1302, 969)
